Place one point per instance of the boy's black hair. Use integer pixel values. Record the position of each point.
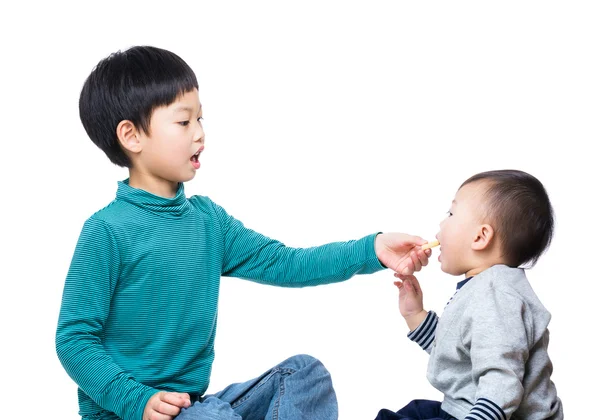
(129, 85)
(520, 211)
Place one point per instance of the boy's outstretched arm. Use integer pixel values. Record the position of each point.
(253, 256)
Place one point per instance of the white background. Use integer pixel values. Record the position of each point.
(325, 121)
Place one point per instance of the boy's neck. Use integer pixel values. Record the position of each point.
(482, 266)
(153, 185)
(483, 259)
(474, 271)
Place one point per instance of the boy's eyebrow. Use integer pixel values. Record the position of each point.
(185, 108)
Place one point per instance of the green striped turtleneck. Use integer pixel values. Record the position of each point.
(139, 307)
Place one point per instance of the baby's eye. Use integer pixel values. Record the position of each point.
(183, 123)
(200, 119)
(449, 213)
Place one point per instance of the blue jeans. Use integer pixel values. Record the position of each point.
(296, 389)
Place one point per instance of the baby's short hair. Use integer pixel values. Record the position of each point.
(129, 85)
(520, 211)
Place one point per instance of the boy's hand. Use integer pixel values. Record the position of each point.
(401, 252)
(411, 300)
(165, 405)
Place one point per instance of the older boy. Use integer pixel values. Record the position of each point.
(489, 349)
(139, 311)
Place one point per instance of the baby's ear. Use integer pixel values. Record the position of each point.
(127, 134)
(483, 237)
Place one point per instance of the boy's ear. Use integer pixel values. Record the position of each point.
(127, 134)
(483, 237)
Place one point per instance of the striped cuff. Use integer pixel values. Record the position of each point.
(424, 334)
(485, 409)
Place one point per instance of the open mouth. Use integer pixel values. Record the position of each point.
(196, 155)
(195, 158)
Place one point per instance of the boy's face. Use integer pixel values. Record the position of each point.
(460, 229)
(171, 149)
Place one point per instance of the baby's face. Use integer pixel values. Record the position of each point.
(459, 229)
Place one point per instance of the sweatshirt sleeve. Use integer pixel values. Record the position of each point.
(252, 256)
(87, 295)
(496, 334)
(424, 334)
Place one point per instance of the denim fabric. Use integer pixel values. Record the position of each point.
(210, 408)
(296, 389)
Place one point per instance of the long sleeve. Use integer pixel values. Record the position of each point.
(489, 357)
(252, 256)
(496, 334)
(424, 334)
(86, 302)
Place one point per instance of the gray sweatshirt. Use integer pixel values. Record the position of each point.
(489, 350)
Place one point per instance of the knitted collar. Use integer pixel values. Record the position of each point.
(167, 207)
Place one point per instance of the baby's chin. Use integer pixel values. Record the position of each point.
(452, 270)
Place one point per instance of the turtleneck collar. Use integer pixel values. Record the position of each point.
(167, 207)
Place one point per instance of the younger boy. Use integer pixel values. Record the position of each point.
(139, 311)
(488, 351)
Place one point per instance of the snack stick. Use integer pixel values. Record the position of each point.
(431, 244)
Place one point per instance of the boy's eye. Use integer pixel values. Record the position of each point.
(183, 123)
(449, 213)
(200, 119)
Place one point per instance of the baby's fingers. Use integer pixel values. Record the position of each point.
(414, 284)
(404, 277)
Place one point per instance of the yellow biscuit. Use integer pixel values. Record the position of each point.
(431, 244)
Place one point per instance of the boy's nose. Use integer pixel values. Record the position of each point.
(199, 134)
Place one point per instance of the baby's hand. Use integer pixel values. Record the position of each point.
(165, 405)
(410, 300)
